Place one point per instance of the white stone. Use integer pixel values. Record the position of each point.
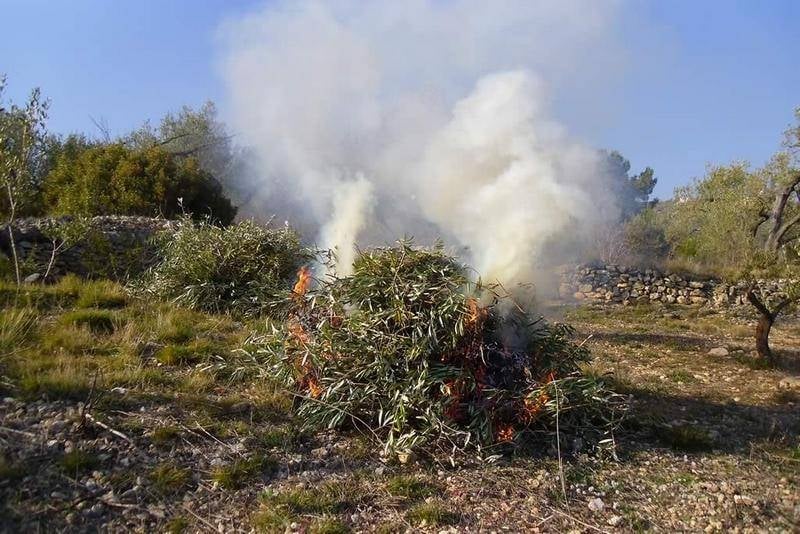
(596, 504)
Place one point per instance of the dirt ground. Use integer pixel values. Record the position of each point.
(710, 444)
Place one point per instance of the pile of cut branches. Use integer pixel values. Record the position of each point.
(407, 349)
(244, 268)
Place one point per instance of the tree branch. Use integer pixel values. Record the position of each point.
(779, 206)
(754, 300)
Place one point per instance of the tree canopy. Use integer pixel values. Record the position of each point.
(106, 179)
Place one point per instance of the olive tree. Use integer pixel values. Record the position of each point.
(745, 224)
(22, 133)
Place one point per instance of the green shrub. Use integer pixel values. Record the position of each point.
(112, 179)
(244, 268)
(403, 347)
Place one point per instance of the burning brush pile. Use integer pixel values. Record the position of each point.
(409, 351)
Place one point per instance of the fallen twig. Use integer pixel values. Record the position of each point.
(104, 426)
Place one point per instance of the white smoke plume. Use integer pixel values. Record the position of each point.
(376, 120)
(352, 205)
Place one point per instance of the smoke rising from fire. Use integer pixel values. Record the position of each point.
(375, 120)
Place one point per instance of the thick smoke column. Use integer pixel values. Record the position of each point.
(377, 120)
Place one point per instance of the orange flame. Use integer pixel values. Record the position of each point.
(297, 331)
(303, 282)
(504, 433)
(476, 313)
(314, 387)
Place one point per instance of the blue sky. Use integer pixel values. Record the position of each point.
(703, 82)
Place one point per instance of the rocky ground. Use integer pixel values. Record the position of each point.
(149, 440)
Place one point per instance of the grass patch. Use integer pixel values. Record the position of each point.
(177, 355)
(69, 339)
(681, 376)
(78, 461)
(62, 381)
(281, 437)
(17, 327)
(270, 519)
(198, 381)
(236, 474)
(432, 513)
(169, 479)
(331, 497)
(754, 363)
(101, 294)
(410, 487)
(165, 434)
(686, 479)
(97, 321)
(328, 525)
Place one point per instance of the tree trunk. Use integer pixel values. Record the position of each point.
(763, 327)
(765, 320)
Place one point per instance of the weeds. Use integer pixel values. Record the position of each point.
(409, 487)
(432, 513)
(168, 478)
(234, 475)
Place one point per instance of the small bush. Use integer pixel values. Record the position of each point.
(244, 268)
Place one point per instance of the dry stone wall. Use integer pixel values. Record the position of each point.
(109, 246)
(621, 285)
